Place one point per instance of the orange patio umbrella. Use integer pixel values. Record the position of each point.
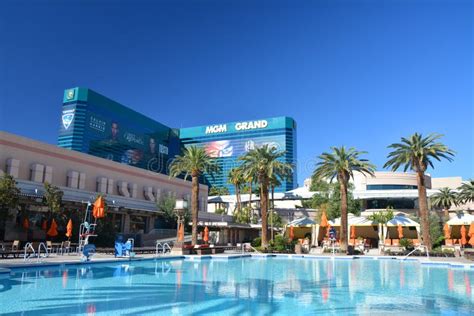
(99, 208)
(400, 231)
(26, 224)
(324, 220)
(292, 232)
(447, 231)
(471, 234)
(53, 229)
(463, 235)
(181, 232)
(69, 229)
(353, 232)
(206, 234)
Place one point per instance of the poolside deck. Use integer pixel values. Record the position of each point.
(55, 260)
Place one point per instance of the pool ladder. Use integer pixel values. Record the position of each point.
(35, 254)
(162, 247)
(418, 248)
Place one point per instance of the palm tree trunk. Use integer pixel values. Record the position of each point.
(194, 207)
(272, 210)
(446, 213)
(237, 193)
(250, 201)
(263, 206)
(423, 205)
(343, 234)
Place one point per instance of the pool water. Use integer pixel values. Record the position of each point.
(244, 286)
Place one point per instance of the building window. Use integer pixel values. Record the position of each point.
(391, 187)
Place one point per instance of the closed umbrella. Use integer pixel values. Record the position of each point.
(52, 232)
(69, 229)
(99, 208)
(447, 231)
(181, 232)
(292, 232)
(26, 224)
(353, 232)
(327, 232)
(44, 226)
(324, 220)
(471, 234)
(463, 235)
(206, 234)
(400, 231)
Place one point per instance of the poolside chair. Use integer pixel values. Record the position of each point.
(396, 242)
(16, 245)
(416, 242)
(49, 246)
(388, 242)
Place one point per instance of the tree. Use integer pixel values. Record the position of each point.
(236, 178)
(167, 205)
(382, 217)
(216, 191)
(53, 197)
(341, 164)
(274, 182)
(417, 153)
(262, 164)
(445, 198)
(194, 162)
(466, 192)
(9, 199)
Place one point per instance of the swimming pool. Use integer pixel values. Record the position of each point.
(249, 286)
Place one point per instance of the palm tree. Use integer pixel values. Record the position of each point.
(466, 192)
(445, 198)
(274, 182)
(194, 162)
(341, 164)
(417, 153)
(262, 164)
(237, 179)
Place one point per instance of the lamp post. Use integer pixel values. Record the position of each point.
(180, 208)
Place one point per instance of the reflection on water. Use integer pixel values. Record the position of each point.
(249, 286)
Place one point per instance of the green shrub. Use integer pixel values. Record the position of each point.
(257, 242)
(407, 243)
(280, 244)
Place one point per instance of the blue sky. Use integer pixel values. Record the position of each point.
(354, 73)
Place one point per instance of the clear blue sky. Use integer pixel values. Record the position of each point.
(354, 73)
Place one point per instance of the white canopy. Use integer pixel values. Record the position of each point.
(461, 219)
(353, 221)
(400, 219)
(302, 222)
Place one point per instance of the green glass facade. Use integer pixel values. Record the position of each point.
(96, 125)
(228, 141)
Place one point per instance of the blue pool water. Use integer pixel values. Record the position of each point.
(244, 286)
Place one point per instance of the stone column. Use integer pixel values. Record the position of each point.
(126, 223)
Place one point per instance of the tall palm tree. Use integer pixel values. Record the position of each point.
(341, 164)
(237, 179)
(466, 192)
(445, 198)
(417, 153)
(262, 164)
(194, 162)
(274, 182)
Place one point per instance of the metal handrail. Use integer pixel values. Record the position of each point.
(418, 248)
(29, 246)
(157, 248)
(255, 250)
(39, 251)
(166, 245)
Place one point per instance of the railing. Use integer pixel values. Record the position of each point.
(418, 248)
(163, 248)
(29, 246)
(255, 249)
(39, 251)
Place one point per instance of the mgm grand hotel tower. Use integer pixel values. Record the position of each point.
(96, 125)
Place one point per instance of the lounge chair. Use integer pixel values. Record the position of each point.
(49, 246)
(388, 242)
(15, 245)
(396, 242)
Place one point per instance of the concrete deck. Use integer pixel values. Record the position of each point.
(56, 260)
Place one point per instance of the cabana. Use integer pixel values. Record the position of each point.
(399, 227)
(455, 224)
(363, 227)
(301, 227)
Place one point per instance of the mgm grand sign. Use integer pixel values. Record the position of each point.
(239, 126)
